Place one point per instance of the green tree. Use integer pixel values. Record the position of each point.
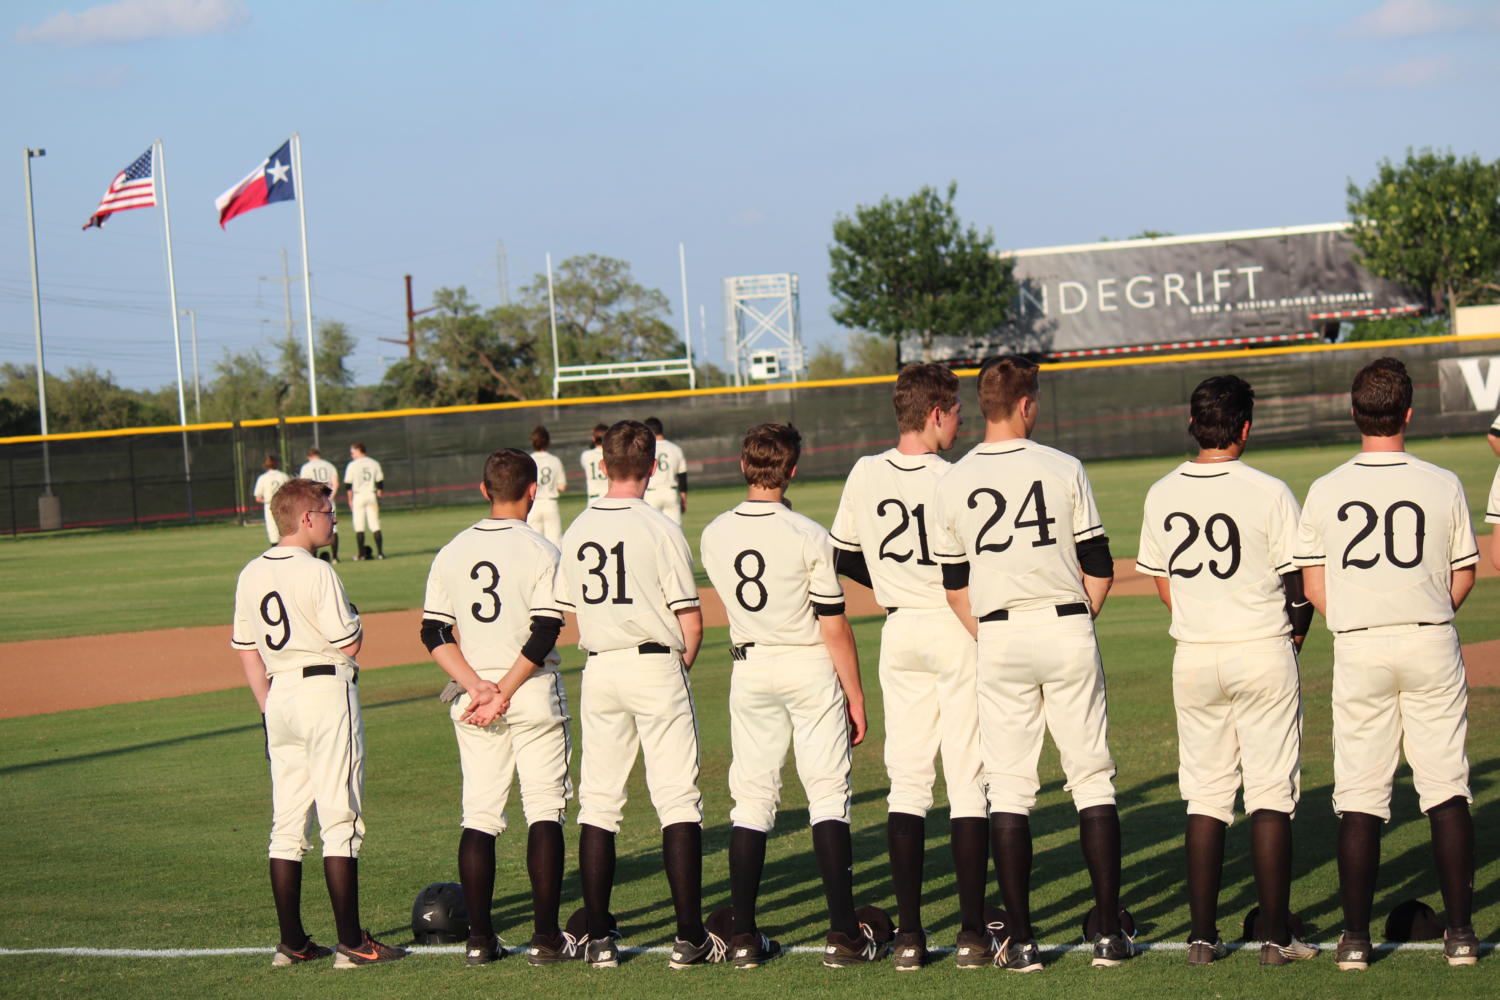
(1432, 222)
(910, 268)
(81, 399)
(863, 355)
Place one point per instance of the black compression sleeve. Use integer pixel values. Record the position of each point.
(436, 633)
(682, 482)
(852, 564)
(827, 610)
(380, 484)
(544, 632)
(1094, 558)
(1298, 608)
(955, 576)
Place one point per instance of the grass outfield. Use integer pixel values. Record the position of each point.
(91, 582)
(144, 826)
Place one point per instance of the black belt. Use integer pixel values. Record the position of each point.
(1419, 624)
(1063, 611)
(737, 653)
(324, 670)
(644, 648)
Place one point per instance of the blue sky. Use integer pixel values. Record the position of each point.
(433, 130)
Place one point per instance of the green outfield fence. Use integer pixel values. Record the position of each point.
(1093, 409)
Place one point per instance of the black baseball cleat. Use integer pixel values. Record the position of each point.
(369, 952)
(1202, 952)
(1112, 949)
(310, 951)
(1295, 950)
(909, 950)
(751, 951)
(974, 949)
(1019, 956)
(686, 954)
(841, 950)
(483, 952)
(1352, 954)
(601, 954)
(1461, 947)
(546, 949)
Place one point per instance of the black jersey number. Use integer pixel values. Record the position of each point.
(281, 619)
(751, 580)
(478, 610)
(1372, 519)
(1227, 541)
(1035, 501)
(917, 514)
(598, 571)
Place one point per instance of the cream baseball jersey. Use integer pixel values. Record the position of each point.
(670, 463)
(1221, 533)
(550, 477)
(886, 511)
(362, 474)
(770, 567)
(626, 571)
(489, 582)
(594, 480)
(291, 605)
(1015, 511)
(321, 470)
(1389, 529)
(268, 483)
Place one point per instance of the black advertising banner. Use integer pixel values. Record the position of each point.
(1257, 284)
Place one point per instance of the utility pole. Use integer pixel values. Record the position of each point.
(197, 384)
(411, 324)
(285, 281)
(502, 263)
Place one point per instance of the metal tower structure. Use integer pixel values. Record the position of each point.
(763, 327)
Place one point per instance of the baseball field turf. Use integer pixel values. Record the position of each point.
(141, 828)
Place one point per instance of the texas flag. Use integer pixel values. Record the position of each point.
(271, 181)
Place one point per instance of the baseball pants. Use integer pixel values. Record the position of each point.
(1239, 711)
(780, 697)
(1038, 670)
(638, 701)
(928, 685)
(669, 504)
(366, 510)
(316, 738)
(272, 532)
(546, 519)
(530, 741)
(1394, 688)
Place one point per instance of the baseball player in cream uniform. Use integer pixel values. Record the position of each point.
(1492, 516)
(1388, 555)
(1026, 565)
(551, 481)
(667, 490)
(927, 659)
(627, 574)
(365, 481)
(493, 583)
(1218, 536)
(319, 469)
(297, 635)
(795, 685)
(595, 482)
(266, 485)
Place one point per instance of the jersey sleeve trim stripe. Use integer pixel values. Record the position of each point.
(1471, 557)
(682, 600)
(428, 613)
(1085, 531)
(1149, 569)
(567, 604)
(346, 639)
(1285, 565)
(843, 541)
(831, 597)
(241, 645)
(555, 611)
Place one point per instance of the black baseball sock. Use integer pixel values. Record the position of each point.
(1010, 842)
(1099, 835)
(747, 860)
(335, 545)
(1271, 857)
(1359, 865)
(682, 856)
(342, 876)
(906, 835)
(834, 849)
(286, 890)
(379, 544)
(359, 545)
(476, 871)
(1204, 846)
(1453, 851)
(596, 870)
(971, 860)
(544, 863)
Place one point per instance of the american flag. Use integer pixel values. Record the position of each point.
(132, 187)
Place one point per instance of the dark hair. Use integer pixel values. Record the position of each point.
(920, 389)
(358, 446)
(1220, 407)
(1004, 382)
(270, 461)
(294, 497)
(314, 453)
(540, 438)
(598, 433)
(654, 424)
(629, 451)
(1380, 396)
(507, 473)
(770, 454)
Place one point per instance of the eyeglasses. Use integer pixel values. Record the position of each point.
(331, 514)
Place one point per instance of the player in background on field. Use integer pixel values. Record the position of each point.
(297, 635)
(1026, 565)
(667, 490)
(266, 485)
(551, 481)
(1388, 555)
(927, 665)
(1218, 536)
(493, 583)
(1494, 435)
(365, 481)
(1492, 516)
(595, 482)
(627, 574)
(795, 684)
(319, 469)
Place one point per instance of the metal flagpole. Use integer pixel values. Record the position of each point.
(166, 215)
(312, 364)
(687, 332)
(197, 384)
(36, 315)
(552, 314)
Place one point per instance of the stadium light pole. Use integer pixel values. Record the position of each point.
(36, 317)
